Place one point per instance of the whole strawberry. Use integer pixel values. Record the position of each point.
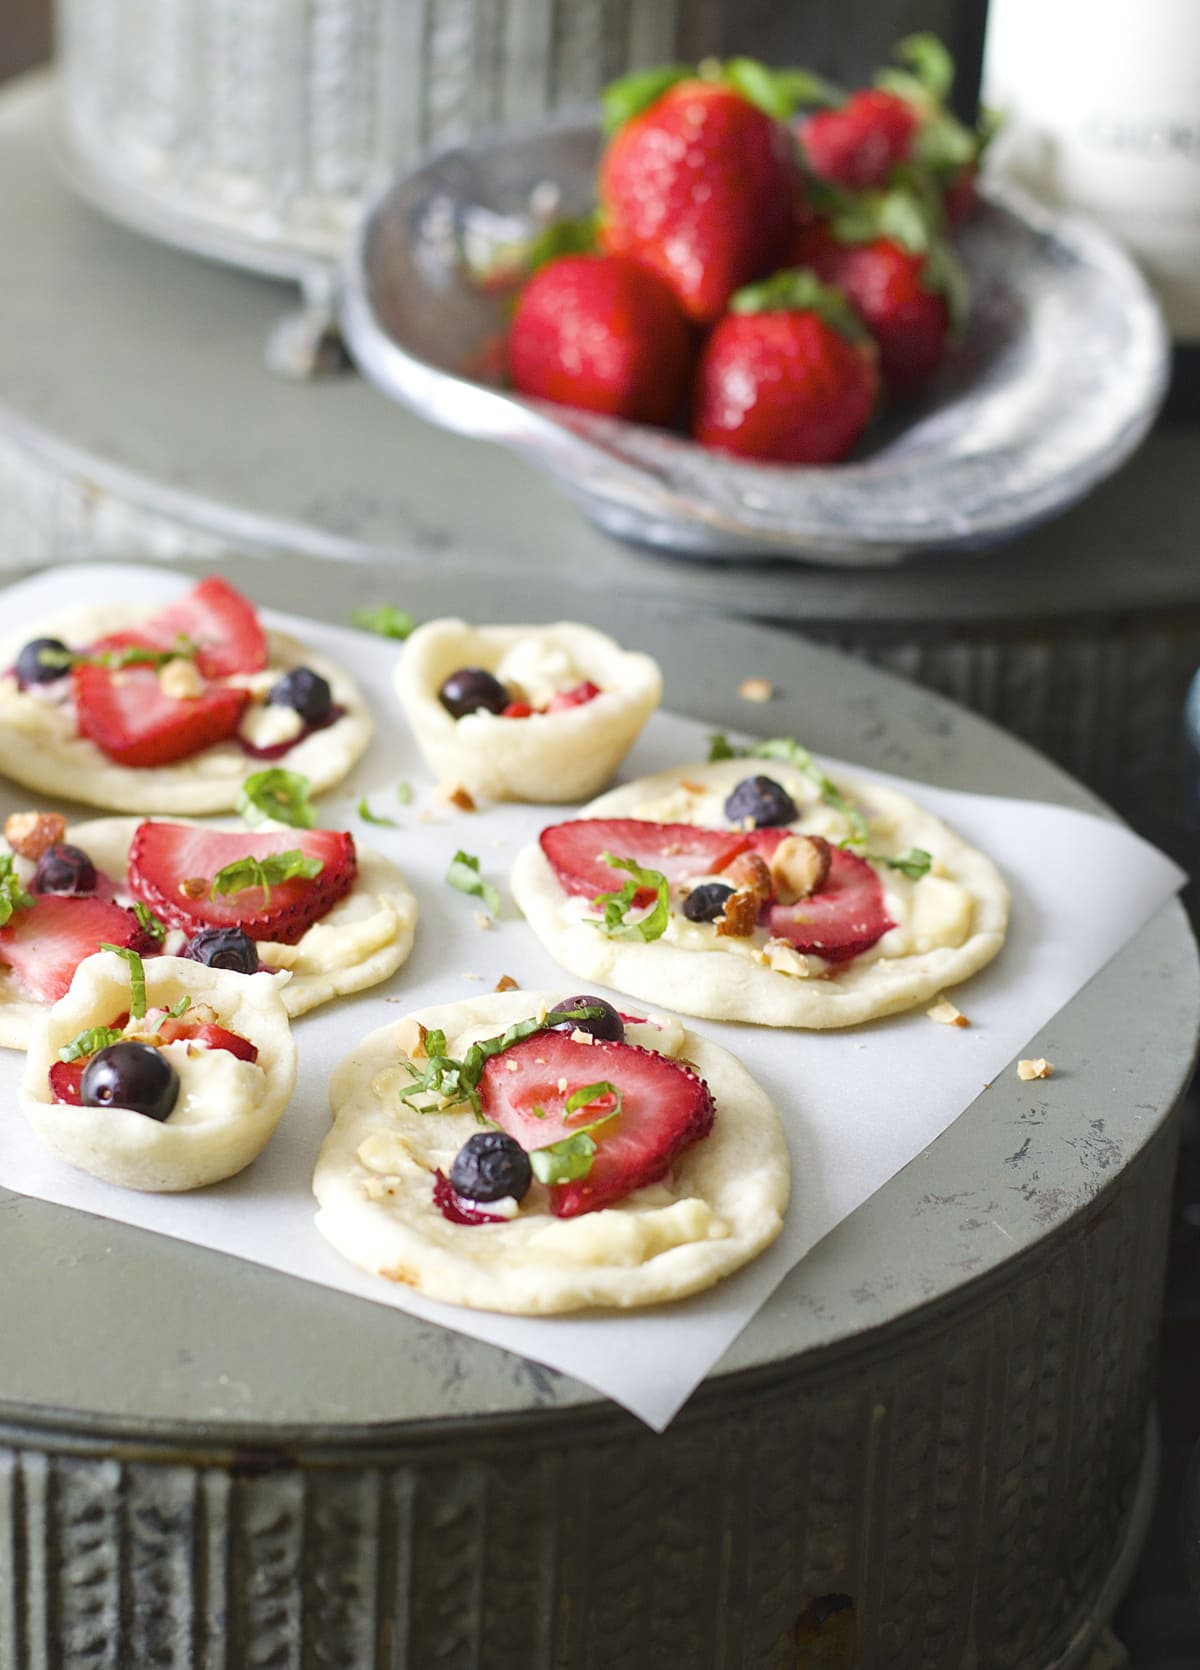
(858, 146)
(788, 374)
(701, 185)
(899, 277)
(604, 333)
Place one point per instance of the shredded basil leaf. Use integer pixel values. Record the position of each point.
(616, 906)
(589, 1093)
(404, 793)
(793, 754)
(12, 895)
(137, 979)
(368, 816)
(88, 1042)
(133, 655)
(564, 1161)
(464, 874)
(914, 863)
(173, 1013)
(278, 794)
(447, 1083)
(385, 620)
(266, 873)
(148, 922)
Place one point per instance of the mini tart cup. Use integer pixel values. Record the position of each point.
(129, 1149)
(550, 757)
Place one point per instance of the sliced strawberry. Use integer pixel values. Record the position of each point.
(517, 710)
(677, 850)
(846, 917)
(66, 1080)
(169, 862)
(220, 621)
(208, 1033)
(125, 713)
(575, 697)
(45, 943)
(665, 1107)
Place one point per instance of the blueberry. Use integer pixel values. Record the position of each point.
(304, 691)
(763, 801)
(471, 688)
(223, 948)
(490, 1166)
(133, 1076)
(706, 902)
(608, 1025)
(64, 869)
(31, 669)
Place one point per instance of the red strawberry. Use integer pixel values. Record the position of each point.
(125, 713)
(575, 697)
(847, 916)
(890, 289)
(169, 861)
(701, 186)
(218, 619)
(517, 710)
(44, 943)
(789, 374)
(678, 851)
(66, 1079)
(665, 1108)
(208, 1033)
(604, 333)
(858, 146)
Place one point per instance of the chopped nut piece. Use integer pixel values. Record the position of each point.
(1036, 1068)
(783, 957)
(749, 873)
(418, 1051)
(181, 680)
(579, 1036)
(692, 788)
(513, 1066)
(947, 1015)
(799, 867)
(740, 917)
(29, 834)
(506, 983)
(193, 887)
(482, 919)
(756, 690)
(455, 795)
(472, 976)
(562, 1084)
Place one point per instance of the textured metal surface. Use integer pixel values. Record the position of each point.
(253, 132)
(1062, 367)
(968, 1484)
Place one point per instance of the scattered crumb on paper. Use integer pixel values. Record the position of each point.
(945, 1014)
(756, 690)
(1036, 1067)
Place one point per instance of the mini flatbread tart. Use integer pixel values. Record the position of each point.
(720, 1204)
(40, 745)
(364, 938)
(227, 1105)
(582, 700)
(894, 938)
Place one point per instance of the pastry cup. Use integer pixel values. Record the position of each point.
(210, 1143)
(552, 757)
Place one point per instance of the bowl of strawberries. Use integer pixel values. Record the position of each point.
(753, 313)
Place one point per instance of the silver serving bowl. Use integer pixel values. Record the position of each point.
(1061, 371)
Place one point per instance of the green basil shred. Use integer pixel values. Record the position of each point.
(616, 906)
(266, 873)
(464, 875)
(280, 795)
(137, 979)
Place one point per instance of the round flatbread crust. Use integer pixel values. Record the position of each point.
(380, 914)
(725, 984)
(39, 747)
(550, 757)
(126, 1148)
(723, 1204)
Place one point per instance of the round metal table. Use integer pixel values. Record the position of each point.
(136, 413)
(940, 1417)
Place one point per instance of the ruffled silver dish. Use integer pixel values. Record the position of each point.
(1060, 374)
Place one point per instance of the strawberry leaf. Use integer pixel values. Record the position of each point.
(930, 63)
(622, 100)
(802, 88)
(561, 237)
(759, 86)
(797, 290)
(945, 273)
(616, 906)
(278, 794)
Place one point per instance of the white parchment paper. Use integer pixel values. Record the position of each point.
(857, 1105)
